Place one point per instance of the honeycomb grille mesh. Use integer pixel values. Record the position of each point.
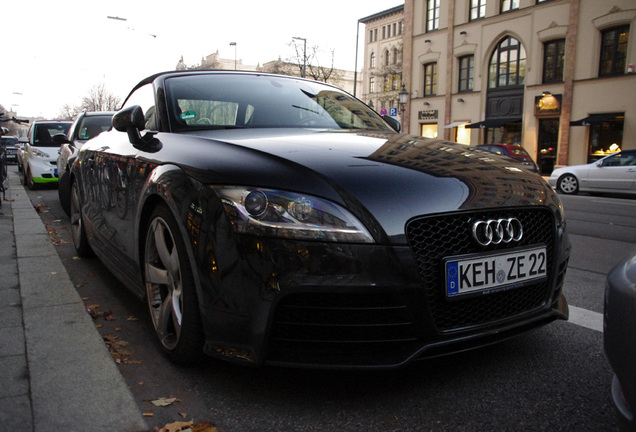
(431, 239)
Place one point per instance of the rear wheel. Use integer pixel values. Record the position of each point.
(80, 241)
(170, 290)
(568, 184)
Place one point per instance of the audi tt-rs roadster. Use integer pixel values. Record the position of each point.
(272, 220)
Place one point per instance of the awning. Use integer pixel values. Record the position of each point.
(493, 123)
(456, 124)
(596, 119)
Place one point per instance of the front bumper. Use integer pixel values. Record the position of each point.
(323, 305)
(43, 171)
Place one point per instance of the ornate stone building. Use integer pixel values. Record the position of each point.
(556, 76)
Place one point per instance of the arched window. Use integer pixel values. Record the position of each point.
(396, 56)
(372, 60)
(508, 64)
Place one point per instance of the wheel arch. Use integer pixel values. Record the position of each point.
(159, 190)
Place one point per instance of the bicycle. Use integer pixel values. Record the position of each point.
(3, 175)
(3, 163)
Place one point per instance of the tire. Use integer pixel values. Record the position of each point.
(170, 290)
(64, 193)
(78, 233)
(568, 184)
(28, 179)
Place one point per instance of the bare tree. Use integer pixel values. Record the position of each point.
(99, 99)
(68, 112)
(310, 60)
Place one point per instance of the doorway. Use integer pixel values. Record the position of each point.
(548, 142)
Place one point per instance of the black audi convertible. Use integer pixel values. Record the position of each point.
(280, 221)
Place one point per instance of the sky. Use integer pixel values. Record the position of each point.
(55, 52)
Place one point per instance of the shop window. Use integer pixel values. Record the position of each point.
(466, 73)
(432, 15)
(477, 9)
(509, 133)
(461, 135)
(605, 138)
(553, 61)
(429, 130)
(430, 79)
(613, 51)
(507, 65)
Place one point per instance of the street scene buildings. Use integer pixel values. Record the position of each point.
(556, 76)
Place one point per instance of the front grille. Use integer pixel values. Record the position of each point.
(308, 324)
(431, 239)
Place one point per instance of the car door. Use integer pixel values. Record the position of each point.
(615, 173)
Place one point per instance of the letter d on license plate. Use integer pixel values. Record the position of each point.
(470, 274)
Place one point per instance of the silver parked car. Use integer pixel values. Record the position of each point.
(86, 126)
(614, 174)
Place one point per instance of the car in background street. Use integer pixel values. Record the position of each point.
(615, 173)
(619, 336)
(10, 143)
(39, 157)
(516, 152)
(274, 220)
(86, 126)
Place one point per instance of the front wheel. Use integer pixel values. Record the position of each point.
(78, 234)
(170, 290)
(568, 184)
(29, 180)
(63, 193)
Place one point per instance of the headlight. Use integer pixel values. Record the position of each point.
(275, 213)
(39, 153)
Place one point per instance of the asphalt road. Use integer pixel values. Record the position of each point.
(555, 378)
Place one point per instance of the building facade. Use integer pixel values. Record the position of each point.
(383, 63)
(556, 76)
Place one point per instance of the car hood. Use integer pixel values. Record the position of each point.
(386, 176)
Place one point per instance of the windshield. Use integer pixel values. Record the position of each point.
(256, 101)
(9, 141)
(94, 125)
(44, 133)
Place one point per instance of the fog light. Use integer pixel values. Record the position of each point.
(256, 203)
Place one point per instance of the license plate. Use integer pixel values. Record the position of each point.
(486, 273)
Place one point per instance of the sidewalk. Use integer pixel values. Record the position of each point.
(56, 372)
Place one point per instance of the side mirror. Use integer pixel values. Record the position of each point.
(132, 121)
(60, 139)
(392, 122)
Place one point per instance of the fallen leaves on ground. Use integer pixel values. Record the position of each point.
(118, 350)
(93, 312)
(164, 401)
(187, 426)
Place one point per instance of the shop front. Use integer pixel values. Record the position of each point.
(605, 135)
(547, 110)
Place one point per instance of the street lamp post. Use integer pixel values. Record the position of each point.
(304, 55)
(234, 45)
(403, 99)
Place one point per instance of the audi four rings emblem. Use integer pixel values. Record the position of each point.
(495, 231)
